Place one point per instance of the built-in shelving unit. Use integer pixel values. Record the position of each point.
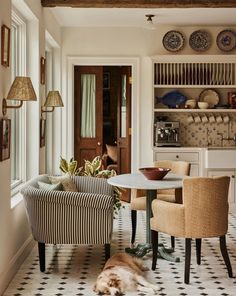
(192, 72)
(193, 86)
(191, 75)
(195, 110)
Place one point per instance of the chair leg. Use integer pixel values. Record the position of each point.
(154, 248)
(41, 250)
(173, 242)
(107, 251)
(225, 255)
(134, 225)
(198, 250)
(187, 260)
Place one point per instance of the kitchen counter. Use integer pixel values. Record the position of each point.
(190, 148)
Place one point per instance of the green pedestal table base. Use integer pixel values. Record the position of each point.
(143, 249)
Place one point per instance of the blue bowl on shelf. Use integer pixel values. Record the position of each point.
(174, 99)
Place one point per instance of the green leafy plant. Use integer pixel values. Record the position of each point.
(92, 169)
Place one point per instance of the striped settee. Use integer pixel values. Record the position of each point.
(63, 217)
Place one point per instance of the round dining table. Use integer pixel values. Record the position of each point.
(139, 181)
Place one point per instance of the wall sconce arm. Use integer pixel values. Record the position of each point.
(46, 110)
(5, 106)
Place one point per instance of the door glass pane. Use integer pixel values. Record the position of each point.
(123, 107)
(88, 105)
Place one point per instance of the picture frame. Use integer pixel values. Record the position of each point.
(106, 80)
(5, 45)
(42, 70)
(42, 132)
(5, 138)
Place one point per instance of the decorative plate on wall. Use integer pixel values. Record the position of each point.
(226, 40)
(200, 40)
(173, 41)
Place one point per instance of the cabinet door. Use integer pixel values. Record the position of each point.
(231, 174)
(191, 157)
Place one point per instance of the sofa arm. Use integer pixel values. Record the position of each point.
(78, 199)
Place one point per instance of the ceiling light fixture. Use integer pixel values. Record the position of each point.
(150, 24)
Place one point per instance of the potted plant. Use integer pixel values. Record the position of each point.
(92, 169)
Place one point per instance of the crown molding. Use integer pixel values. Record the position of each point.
(140, 3)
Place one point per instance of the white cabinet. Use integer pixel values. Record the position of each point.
(231, 174)
(183, 154)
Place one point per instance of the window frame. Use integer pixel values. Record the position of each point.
(19, 134)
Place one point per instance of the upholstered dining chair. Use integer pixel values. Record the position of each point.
(138, 198)
(65, 217)
(203, 214)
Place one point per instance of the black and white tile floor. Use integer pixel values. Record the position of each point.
(72, 270)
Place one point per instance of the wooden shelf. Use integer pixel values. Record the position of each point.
(194, 86)
(195, 110)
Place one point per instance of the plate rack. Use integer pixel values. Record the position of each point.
(195, 74)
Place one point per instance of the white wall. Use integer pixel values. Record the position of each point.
(15, 238)
(128, 42)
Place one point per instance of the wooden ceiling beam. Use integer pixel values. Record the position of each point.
(139, 3)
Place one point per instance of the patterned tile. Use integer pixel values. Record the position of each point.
(72, 270)
(195, 134)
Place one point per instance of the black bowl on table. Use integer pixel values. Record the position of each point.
(154, 173)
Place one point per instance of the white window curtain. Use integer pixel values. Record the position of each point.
(88, 105)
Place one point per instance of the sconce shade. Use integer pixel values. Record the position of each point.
(53, 99)
(22, 90)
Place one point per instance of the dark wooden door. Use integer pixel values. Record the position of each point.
(124, 125)
(88, 98)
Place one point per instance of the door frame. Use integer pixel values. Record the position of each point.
(68, 98)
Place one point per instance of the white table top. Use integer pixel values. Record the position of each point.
(138, 181)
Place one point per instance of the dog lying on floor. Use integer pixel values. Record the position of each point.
(123, 273)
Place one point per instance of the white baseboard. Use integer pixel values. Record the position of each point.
(15, 263)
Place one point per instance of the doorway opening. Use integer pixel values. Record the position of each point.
(102, 113)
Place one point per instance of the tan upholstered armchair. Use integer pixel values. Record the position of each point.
(203, 214)
(63, 217)
(138, 198)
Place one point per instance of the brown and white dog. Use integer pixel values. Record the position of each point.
(123, 273)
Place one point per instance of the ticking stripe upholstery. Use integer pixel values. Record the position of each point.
(60, 217)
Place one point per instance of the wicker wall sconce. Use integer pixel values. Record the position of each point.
(53, 100)
(21, 90)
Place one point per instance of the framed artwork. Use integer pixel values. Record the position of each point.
(42, 132)
(42, 70)
(5, 138)
(5, 46)
(106, 80)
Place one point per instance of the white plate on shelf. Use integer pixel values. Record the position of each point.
(210, 96)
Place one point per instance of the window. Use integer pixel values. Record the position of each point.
(18, 116)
